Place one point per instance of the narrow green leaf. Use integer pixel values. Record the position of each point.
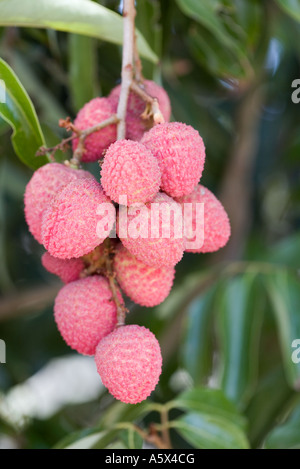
(86, 442)
(206, 13)
(239, 327)
(284, 292)
(76, 16)
(286, 436)
(210, 432)
(210, 402)
(50, 110)
(131, 439)
(267, 405)
(291, 7)
(197, 345)
(82, 69)
(20, 114)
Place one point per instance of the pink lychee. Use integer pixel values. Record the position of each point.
(42, 188)
(135, 125)
(92, 113)
(215, 224)
(129, 363)
(67, 269)
(130, 170)
(70, 226)
(85, 313)
(145, 285)
(180, 152)
(153, 232)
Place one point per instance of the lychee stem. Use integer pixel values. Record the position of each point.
(152, 110)
(137, 63)
(77, 133)
(113, 119)
(111, 277)
(129, 13)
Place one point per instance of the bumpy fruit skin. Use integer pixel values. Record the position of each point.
(181, 154)
(145, 285)
(69, 226)
(41, 190)
(85, 313)
(92, 113)
(216, 222)
(67, 270)
(135, 125)
(130, 169)
(154, 251)
(129, 363)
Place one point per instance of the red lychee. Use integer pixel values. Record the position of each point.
(85, 313)
(41, 190)
(145, 285)
(153, 232)
(92, 113)
(70, 225)
(67, 269)
(180, 152)
(130, 170)
(215, 224)
(129, 363)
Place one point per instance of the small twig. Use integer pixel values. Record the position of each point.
(111, 277)
(152, 107)
(77, 133)
(137, 62)
(152, 437)
(127, 67)
(85, 133)
(165, 426)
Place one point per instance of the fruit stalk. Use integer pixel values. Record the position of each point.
(129, 13)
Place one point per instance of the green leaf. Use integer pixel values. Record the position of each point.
(86, 442)
(197, 343)
(210, 402)
(284, 292)
(239, 327)
(286, 436)
(267, 405)
(75, 16)
(131, 439)
(49, 109)
(19, 112)
(206, 13)
(291, 7)
(82, 69)
(205, 431)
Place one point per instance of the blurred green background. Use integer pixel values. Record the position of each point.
(231, 318)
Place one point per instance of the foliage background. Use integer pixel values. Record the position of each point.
(230, 320)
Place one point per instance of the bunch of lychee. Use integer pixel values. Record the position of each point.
(155, 169)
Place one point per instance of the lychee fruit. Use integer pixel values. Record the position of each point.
(130, 170)
(145, 285)
(92, 113)
(180, 152)
(129, 363)
(153, 232)
(85, 313)
(135, 125)
(41, 190)
(67, 270)
(70, 225)
(214, 225)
